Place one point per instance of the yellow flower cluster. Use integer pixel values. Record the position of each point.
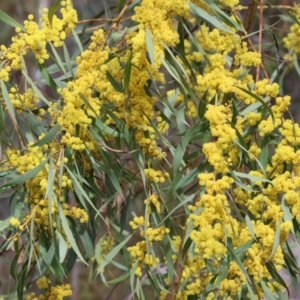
(142, 252)
(217, 78)
(90, 73)
(259, 253)
(234, 280)
(139, 253)
(58, 292)
(292, 40)
(159, 21)
(281, 105)
(14, 222)
(220, 153)
(290, 132)
(213, 186)
(191, 109)
(76, 213)
(73, 142)
(26, 101)
(255, 151)
(264, 88)
(253, 118)
(155, 234)
(209, 236)
(136, 222)
(156, 176)
(36, 187)
(36, 39)
(43, 282)
(154, 200)
(211, 218)
(246, 58)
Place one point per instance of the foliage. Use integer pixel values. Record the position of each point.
(168, 101)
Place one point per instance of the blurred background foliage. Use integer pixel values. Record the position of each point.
(84, 286)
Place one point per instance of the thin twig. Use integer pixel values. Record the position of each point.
(117, 20)
(270, 7)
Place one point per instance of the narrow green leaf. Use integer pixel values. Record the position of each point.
(7, 101)
(237, 259)
(52, 10)
(87, 244)
(182, 203)
(205, 16)
(286, 212)
(9, 20)
(59, 62)
(48, 257)
(264, 154)
(48, 137)
(32, 242)
(268, 293)
(71, 260)
(57, 269)
(108, 258)
(177, 62)
(27, 176)
(252, 177)
(180, 150)
(68, 59)
(241, 250)
(150, 46)
(239, 182)
(170, 69)
(223, 16)
(261, 101)
(63, 247)
(21, 282)
(80, 191)
(250, 227)
(116, 85)
(276, 241)
(127, 74)
(69, 234)
(119, 279)
(275, 275)
(37, 91)
(196, 44)
(48, 78)
(77, 40)
(4, 225)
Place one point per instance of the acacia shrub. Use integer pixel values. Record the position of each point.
(178, 89)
